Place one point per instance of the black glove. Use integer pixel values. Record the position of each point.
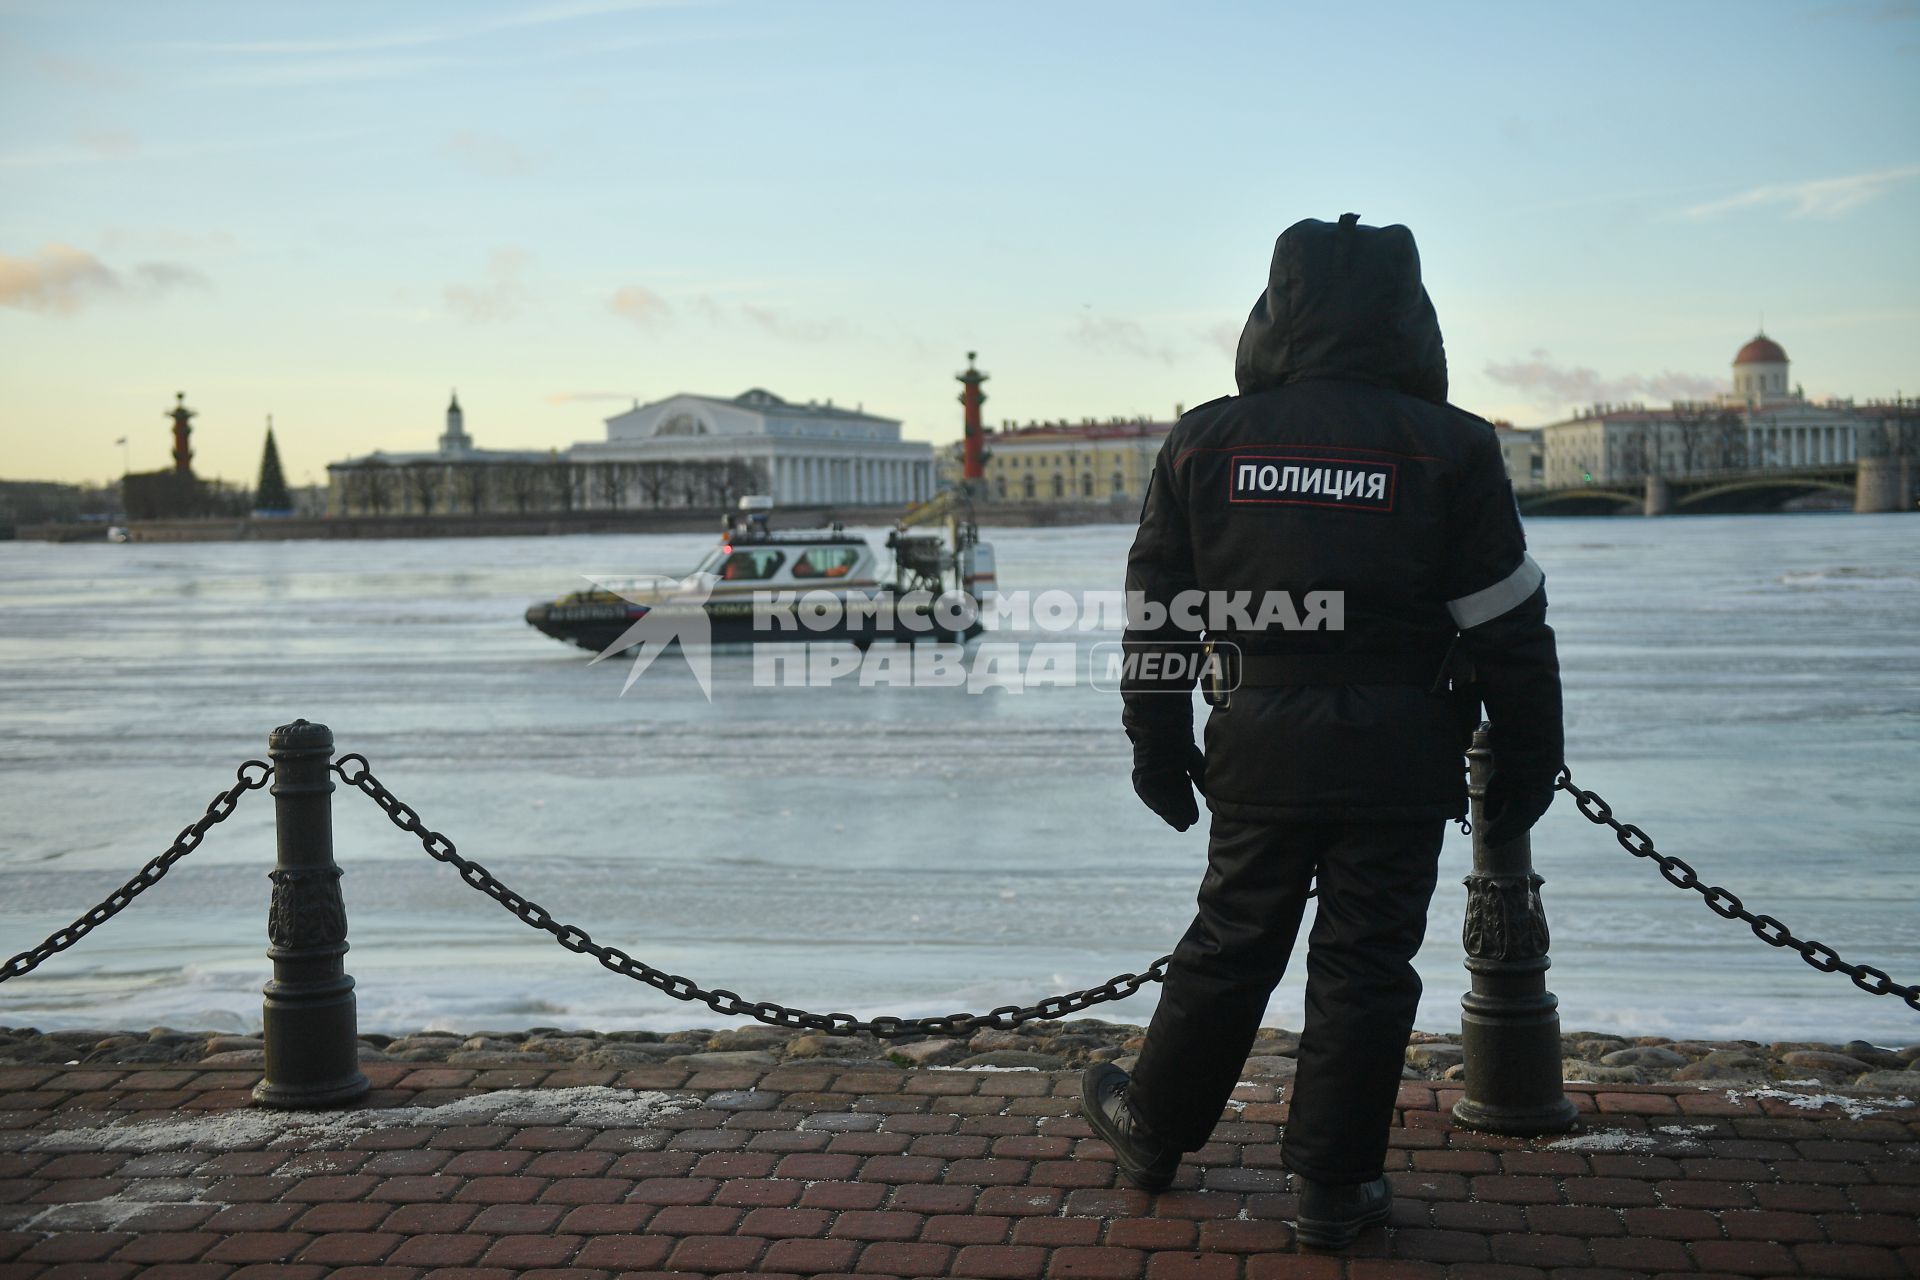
(1513, 804)
(1165, 781)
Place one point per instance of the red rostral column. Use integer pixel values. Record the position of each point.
(181, 415)
(971, 399)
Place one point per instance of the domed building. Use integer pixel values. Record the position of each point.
(1763, 423)
(1760, 371)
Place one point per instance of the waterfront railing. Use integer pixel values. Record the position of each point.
(1510, 1022)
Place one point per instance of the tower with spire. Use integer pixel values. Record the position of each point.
(971, 399)
(182, 431)
(455, 440)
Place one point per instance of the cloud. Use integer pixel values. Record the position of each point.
(442, 33)
(81, 73)
(641, 305)
(1124, 337)
(502, 296)
(313, 71)
(89, 151)
(1557, 385)
(1816, 198)
(1225, 337)
(60, 280)
(166, 239)
(648, 309)
(782, 325)
(158, 277)
(114, 144)
(490, 155)
(704, 306)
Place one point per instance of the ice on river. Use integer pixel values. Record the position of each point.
(1745, 688)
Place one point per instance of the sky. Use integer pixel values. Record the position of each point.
(334, 214)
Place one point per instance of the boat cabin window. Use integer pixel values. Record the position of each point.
(751, 565)
(826, 562)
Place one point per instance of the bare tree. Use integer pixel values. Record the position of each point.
(523, 484)
(738, 479)
(610, 484)
(655, 481)
(1637, 453)
(423, 483)
(1693, 431)
(1726, 441)
(568, 485)
(378, 488)
(1902, 429)
(471, 483)
(1895, 434)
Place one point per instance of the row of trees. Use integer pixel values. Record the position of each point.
(1692, 439)
(49, 502)
(524, 486)
(1689, 440)
(1896, 434)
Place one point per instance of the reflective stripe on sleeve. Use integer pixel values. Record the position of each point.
(1488, 604)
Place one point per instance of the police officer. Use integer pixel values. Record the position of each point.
(1367, 532)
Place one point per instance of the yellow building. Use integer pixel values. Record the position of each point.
(1059, 462)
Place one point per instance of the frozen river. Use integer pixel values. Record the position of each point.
(1745, 688)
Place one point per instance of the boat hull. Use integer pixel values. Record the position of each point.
(729, 624)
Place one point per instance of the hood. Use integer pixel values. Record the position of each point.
(1344, 301)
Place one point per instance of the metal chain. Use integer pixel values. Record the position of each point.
(355, 772)
(1726, 904)
(250, 776)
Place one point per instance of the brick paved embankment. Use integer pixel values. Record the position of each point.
(826, 1168)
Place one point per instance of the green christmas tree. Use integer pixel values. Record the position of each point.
(271, 493)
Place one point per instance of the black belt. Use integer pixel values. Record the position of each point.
(1228, 669)
(1271, 670)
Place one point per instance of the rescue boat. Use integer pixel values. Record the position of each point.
(761, 586)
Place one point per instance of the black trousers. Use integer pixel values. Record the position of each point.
(1375, 882)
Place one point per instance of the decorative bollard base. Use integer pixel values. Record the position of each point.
(1513, 1081)
(312, 1046)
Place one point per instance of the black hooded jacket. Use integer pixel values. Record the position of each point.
(1340, 479)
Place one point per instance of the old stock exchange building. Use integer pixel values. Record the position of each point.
(805, 454)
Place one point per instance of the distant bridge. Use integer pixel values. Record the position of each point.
(1722, 492)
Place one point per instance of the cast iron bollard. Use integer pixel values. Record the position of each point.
(1509, 1022)
(312, 1049)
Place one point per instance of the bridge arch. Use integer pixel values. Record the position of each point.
(1581, 502)
(1760, 493)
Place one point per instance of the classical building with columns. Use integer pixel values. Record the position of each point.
(684, 451)
(1764, 423)
(805, 454)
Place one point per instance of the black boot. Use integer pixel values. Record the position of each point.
(1145, 1161)
(1333, 1214)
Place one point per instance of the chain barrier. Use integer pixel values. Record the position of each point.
(1727, 905)
(251, 776)
(355, 772)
